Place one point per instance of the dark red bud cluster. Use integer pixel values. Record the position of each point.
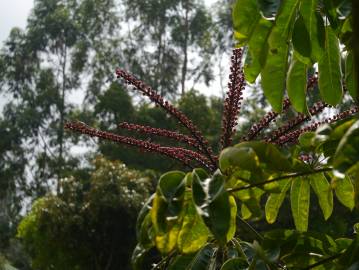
(233, 101)
(140, 144)
(170, 109)
(160, 132)
(292, 137)
(298, 120)
(255, 130)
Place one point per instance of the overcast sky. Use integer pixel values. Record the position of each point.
(13, 13)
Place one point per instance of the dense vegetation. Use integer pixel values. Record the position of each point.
(222, 204)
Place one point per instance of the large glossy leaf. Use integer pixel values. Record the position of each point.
(181, 262)
(301, 39)
(205, 259)
(344, 190)
(283, 24)
(275, 201)
(300, 200)
(315, 27)
(213, 204)
(171, 183)
(347, 154)
(274, 75)
(350, 80)
(257, 50)
(194, 233)
(350, 258)
(166, 225)
(330, 74)
(324, 193)
(238, 158)
(269, 155)
(235, 264)
(297, 85)
(143, 214)
(246, 15)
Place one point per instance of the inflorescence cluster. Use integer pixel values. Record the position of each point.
(199, 152)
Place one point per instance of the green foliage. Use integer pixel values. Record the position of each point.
(304, 33)
(251, 172)
(89, 225)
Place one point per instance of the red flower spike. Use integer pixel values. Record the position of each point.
(234, 98)
(170, 109)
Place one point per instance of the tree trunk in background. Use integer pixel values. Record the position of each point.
(356, 40)
(185, 53)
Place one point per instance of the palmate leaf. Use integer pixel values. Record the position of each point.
(300, 200)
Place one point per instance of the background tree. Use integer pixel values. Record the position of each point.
(89, 224)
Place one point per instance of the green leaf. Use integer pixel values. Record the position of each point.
(194, 233)
(143, 214)
(297, 85)
(346, 156)
(331, 11)
(246, 14)
(350, 256)
(344, 190)
(232, 225)
(234, 157)
(166, 225)
(274, 75)
(330, 74)
(171, 183)
(181, 262)
(300, 199)
(314, 24)
(324, 193)
(205, 259)
(257, 50)
(275, 201)
(269, 155)
(137, 257)
(350, 80)
(235, 264)
(213, 204)
(301, 39)
(283, 24)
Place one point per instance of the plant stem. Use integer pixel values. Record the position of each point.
(288, 176)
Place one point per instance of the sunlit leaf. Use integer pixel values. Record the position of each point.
(300, 200)
(324, 193)
(344, 190)
(257, 50)
(194, 233)
(297, 85)
(275, 201)
(246, 15)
